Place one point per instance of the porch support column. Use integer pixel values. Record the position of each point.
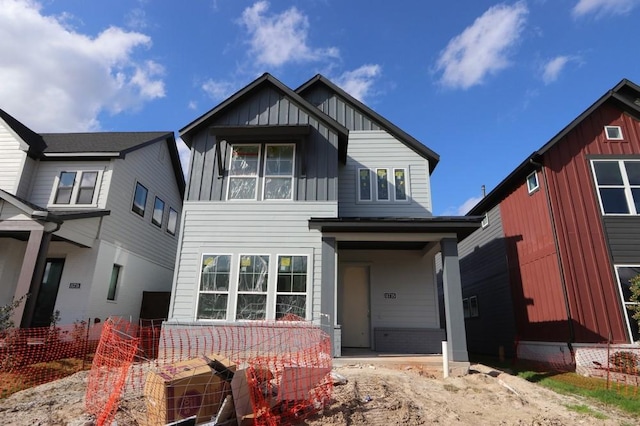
(35, 258)
(328, 291)
(452, 287)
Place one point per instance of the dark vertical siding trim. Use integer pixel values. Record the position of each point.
(207, 167)
(199, 146)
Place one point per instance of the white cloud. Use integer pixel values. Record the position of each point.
(603, 7)
(359, 82)
(280, 38)
(552, 69)
(60, 79)
(463, 208)
(218, 90)
(482, 48)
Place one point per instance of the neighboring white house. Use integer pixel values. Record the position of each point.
(88, 221)
(308, 202)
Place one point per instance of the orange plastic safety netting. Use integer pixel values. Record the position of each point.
(262, 373)
(33, 356)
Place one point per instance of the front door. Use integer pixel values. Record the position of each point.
(355, 307)
(46, 299)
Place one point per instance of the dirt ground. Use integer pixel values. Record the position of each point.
(372, 396)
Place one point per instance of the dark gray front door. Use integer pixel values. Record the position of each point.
(46, 298)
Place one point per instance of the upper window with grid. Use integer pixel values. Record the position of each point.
(618, 185)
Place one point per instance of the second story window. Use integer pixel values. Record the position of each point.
(77, 187)
(139, 199)
(243, 172)
(364, 185)
(172, 223)
(382, 185)
(532, 182)
(618, 185)
(158, 212)
(390, 185)
(278, 172)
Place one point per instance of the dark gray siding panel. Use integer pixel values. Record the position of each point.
(336, 108)
(623, 235)
(268, 107)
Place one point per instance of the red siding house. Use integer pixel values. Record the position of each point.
(569, 221)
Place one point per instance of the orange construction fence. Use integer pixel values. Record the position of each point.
(253, 373)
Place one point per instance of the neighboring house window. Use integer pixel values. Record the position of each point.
(253, 278)
(364, 185)
(618, 185)
(465, 307)
(158, 212)
(473, 307)
(485, 221)
(213, 294)
(113, 283)
(614, 133)
(76, 187)
(243, 172)
(532, 182)
(400, 183)
(139, 199)
(291, 295)
(624, 275)
(382, 185)
(172, 223)
(278, 172)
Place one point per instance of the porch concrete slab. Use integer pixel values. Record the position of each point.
(428, 363)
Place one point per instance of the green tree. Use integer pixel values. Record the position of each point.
(6, 311)
(635, 297)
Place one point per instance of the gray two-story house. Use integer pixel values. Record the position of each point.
(308, 204)
(88, 222)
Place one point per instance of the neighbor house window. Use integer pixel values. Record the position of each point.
(624, 275)
(485, 221)
(291, 294)
(77, 187)
(158, 212)
(614, 133)
(253, 278)
(243, 172)
(473, 307)
(172, 223)
(465, 307)
(278, 172)
(400, 184)
(382, 185)
(364, 185)
(618, 185)
(532, 182)
(213, 293)
(139, 199)
(113, 283)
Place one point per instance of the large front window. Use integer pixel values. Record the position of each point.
(625, 274)
(214, 286)
(618, 184)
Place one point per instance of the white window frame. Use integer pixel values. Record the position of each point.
(228, 292)
(76, 188)
(626, 185)
(358, 188)
(256, 176)
(265, 176)
(609, 138)
(533, 189)
(266, 293)
(391, 185)
(406, 185)
(485, 221)
(307, 289)
(377, 181)
(624, 302)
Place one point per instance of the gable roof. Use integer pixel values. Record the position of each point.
(625, 94)
(31, 138)
(400, 134)
(266, 79)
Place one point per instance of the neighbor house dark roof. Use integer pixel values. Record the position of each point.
(403, 136)
(625, 95)
(101, 142)
(31, 138)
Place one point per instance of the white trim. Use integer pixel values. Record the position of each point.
(265, 176)
(256, 177)
(485, 221)
(606, 133)
(358, 189)
(407, 190)
(228, 292)
(626, 185)
(386, 179)
(624, 304)
(530, 189)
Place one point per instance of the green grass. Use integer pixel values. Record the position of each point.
(623, 397)
(584, 409)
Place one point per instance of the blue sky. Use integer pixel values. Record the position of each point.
(482, 83)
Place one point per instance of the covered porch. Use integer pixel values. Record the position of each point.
(379, 286)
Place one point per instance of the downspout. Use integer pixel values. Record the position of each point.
(558, 256)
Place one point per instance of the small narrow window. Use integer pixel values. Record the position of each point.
(465, 307)
(485, 221)
(172, 223)
(364, 185)
(400, 182)
(113, 283)
(139, 199)
(614, 133)
(158, 212)
(473, 307)
(243, 172)
(87, 187)
(65, 188)
(532, 182)
(382, 184)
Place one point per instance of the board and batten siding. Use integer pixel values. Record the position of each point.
(226, 227)
(268, 107)
(484, 274)
(379, 149)
(340, 110)
(151, 166)
(623, 235)
(12, 158)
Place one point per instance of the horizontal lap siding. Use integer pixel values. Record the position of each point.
(231, 226)
(623, 234)
(268, 107)
(584, 244)
(11, 160)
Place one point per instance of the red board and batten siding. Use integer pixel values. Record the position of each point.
(593, 292)
(533, 266)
